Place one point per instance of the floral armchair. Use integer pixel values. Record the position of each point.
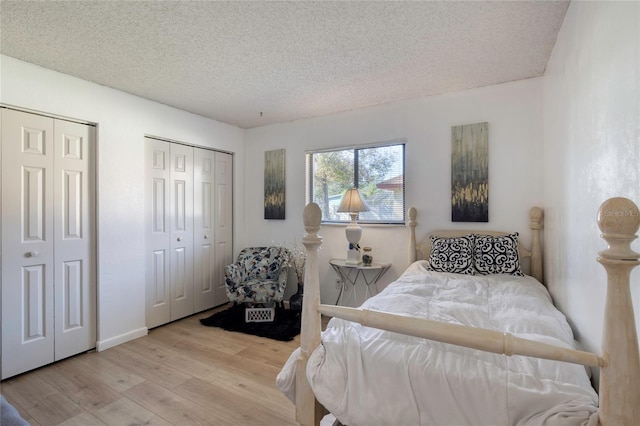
(258, 276)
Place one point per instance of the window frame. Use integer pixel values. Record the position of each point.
(309, 179)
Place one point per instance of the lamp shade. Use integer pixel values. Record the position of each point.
(352, 202)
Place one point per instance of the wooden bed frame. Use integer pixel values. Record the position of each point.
(619, 396)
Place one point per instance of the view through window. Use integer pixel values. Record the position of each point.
(377, 171)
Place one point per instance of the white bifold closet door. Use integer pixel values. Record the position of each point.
(48, 240)
(223, 224)
(212, 226)
(181, 231)
(188, 204)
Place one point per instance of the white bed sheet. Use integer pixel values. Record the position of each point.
(365, 376)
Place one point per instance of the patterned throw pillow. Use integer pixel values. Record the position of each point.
(497, 255)
(452, 255)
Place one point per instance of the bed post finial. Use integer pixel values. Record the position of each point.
(308, 410)
(619, 219)
(312, 216)
(412, 234)
(536, 221)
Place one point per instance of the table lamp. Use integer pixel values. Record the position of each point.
(353, 204)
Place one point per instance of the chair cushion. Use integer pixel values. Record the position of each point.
(257, 291)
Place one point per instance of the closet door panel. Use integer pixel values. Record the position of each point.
(223, 222)
(27, 242)
(181, 196)
(203, 222)
(189, 234)
(158, 233)
(75, 270)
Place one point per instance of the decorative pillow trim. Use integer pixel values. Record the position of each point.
(452, 255)
(497, 255)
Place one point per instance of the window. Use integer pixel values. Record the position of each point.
(378, 171)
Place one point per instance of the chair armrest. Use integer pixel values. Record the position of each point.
(234, 274)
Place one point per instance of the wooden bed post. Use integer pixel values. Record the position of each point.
(619, 219)
(536, 216)
(412, 235)
(308, 410)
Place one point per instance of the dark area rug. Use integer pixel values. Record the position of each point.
(284, 327)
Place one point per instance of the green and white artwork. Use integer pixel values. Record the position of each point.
(274, 184)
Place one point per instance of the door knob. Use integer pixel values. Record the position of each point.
(206, 236)
(32, 254)
(179, 238)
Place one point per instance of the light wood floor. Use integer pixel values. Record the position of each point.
(180, 374)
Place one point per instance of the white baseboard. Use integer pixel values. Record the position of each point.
(102, 345)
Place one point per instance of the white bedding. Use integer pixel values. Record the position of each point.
(366, 376)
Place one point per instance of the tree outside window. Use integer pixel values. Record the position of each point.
(378, 171)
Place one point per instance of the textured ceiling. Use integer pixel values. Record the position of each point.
(256, 63)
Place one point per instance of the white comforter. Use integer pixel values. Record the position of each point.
(365, 376)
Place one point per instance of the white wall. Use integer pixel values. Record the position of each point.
(514, 114)
(591, 152)
(123, 120)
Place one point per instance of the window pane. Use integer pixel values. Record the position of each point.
(381, 182)
(378, 171)
(332, 176)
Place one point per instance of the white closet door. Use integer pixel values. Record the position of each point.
(48, 241)
(204, 282)
(189, 229)
(74, 231)
(27, 242)
(181, 226)
(158, 234)
(223, 222)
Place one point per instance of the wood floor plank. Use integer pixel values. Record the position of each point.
(125, 412)
(144, 367)
(207, 349)
(243, 388)
(179, 374)
(182, 361)
(83, 389)
(203, 392)
(267, 355)
(54, 409)
(84, 419)
(112, 375)
(221, 340)
(23, 413)
(27, 389)
(209, 354)
(174, 408)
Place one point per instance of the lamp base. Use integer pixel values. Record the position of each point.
(353, 257)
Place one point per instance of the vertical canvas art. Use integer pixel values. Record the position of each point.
(274, 179)
(470, 173)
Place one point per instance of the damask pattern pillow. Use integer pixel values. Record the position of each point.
(497, 255)
(452, 255)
